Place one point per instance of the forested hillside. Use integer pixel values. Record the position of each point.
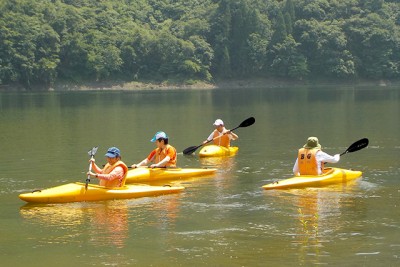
(43, 42)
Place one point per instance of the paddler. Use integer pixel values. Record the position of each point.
(221, 136)
(310, 158)
(114, 172)
(164, 155)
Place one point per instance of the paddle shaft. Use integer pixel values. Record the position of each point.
(91, 153)
(88, 177)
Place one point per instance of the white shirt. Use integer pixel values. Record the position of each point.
(224, 130)
(320, 157)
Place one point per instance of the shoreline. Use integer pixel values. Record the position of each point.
(199, 85)
(233, 84)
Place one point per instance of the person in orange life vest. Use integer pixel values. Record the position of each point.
(221, 136)
(114, 172)
(310, 158)
(163, 156)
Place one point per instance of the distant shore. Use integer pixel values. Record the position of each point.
(198, 85)
(250, 83)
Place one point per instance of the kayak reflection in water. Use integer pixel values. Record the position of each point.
(221, 136)
(163, 156)
(114, 172)
(310, 159)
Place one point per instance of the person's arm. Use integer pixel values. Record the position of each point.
(116, 173)
(95, 168)
(209, 138)
(232, 135)
(296, 168)
(324, 157)
(146, 161)
(171, 155)
(161, 163)
(142, 163)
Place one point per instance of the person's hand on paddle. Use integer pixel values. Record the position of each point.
(134, 166)
(91, 173)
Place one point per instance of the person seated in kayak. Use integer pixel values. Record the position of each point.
(310, 158)
(114, 172)
(163, 156)
(221, 136)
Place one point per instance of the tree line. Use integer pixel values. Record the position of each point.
(44, 42)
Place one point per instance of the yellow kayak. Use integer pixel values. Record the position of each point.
(330, 176)
(75, 192)
(217, 151)
(144, 174)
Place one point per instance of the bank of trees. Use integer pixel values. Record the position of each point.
(46, 41)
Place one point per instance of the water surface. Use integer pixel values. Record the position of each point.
(225, 220)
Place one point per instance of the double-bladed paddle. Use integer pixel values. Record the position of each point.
(91, 153)
(245, 123)
(358, 145)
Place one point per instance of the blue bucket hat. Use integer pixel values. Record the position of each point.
(159, 135)
(113, 152)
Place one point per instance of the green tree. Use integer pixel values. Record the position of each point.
(374, 42)
(325, 46)
(288, 61)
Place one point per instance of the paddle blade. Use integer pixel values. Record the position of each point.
(93, 151)
(248, 122)
(190, 150)
(358, 145)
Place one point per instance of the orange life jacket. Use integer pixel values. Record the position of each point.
(117, 182)
(160, 154)
(224, 140)
(307, 161)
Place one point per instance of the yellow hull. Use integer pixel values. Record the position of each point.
(76, 192)
(330, 176)
(140, 174)
(217, 151)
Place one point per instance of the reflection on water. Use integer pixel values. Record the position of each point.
(54, 214)
(222, 163)
(106, 224)
(317, 213)
(110, 224)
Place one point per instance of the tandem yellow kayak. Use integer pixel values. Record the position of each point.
(217, 151)
(144, 174)
(330, 176)
(76, 192)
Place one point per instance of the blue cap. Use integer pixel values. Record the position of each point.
(159, 135)
(113, 152)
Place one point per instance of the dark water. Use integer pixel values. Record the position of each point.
(226, 220)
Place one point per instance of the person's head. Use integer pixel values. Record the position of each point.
(160, 138)
(219, 125)
(113, 154)
(312, 142)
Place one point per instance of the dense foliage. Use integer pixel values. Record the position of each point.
(46, 41)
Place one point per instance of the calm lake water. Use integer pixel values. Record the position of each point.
(224, 220)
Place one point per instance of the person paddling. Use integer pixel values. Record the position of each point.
(221, 136)
(310, 158)
(163, 156)
(114, 172)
